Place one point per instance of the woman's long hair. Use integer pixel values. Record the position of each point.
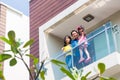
(65, 40)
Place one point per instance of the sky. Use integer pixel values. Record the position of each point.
(20, 5)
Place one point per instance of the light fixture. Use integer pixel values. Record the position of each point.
(100, 3)
(88, 17)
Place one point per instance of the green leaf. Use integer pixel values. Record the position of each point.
(67, 73)
(14, 49)
(17, 44)
(2, 76)
(5, 40)
(101, 67)
(0, 65)
(36, 60)
(28, 43)
(6, 50)
(106, 78)
(14, 43)
(42, 75)
(11, 35)
(101, 78)
(111, 78)
(13, 62)
(31, 56)
(59, 63)
(87, 74)
(83, 78)
(4, 57)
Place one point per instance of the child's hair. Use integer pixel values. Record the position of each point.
(80, 27)
(65, 40)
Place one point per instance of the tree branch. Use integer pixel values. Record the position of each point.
(26, 66)
(42, 64)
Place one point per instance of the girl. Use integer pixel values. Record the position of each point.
(83, 44)
(67, 47)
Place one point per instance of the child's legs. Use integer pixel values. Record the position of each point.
(81, 53)
(87, 53)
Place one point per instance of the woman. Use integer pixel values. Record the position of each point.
(83, 45)
(67, 49)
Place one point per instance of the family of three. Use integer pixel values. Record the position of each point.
(74, 46)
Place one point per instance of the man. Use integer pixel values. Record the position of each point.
(75, 47)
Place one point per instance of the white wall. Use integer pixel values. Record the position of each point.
(20, 24)
(49, 47)
(54, 45)
(44, 53)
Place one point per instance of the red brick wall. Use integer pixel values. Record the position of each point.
(42, 11)
(2, 25)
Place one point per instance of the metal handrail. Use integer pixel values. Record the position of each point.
(83, 42)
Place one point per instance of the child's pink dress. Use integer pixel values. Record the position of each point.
(82, 42)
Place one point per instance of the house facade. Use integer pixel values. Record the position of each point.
(101, 20)
(12, 19)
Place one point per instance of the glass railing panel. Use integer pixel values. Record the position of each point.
(118, 41)
(111, 40)
(116, 34)
(64, 57)
(100, 45)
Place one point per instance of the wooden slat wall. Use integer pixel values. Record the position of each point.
(2, 26)
(40, 12)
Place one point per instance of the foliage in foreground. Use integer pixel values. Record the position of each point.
(19, 50)
(76, 74)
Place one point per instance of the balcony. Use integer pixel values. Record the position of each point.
(103, 46)
(103, 42)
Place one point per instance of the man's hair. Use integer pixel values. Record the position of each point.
(74, 31)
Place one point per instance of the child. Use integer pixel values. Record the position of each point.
(67, 47)
(83, 45)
